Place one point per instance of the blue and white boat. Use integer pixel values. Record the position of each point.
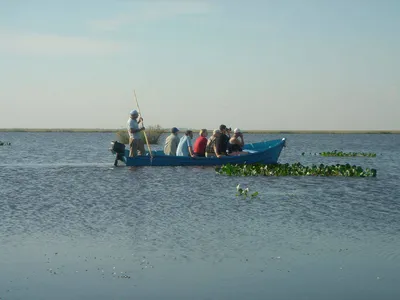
(266, 152)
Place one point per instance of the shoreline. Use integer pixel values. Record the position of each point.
(258, 131)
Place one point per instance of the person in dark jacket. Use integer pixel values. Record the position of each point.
(222, 141)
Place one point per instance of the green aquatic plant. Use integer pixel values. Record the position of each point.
(244, 192)
(296, 169)
(347, 154)
(337, 153)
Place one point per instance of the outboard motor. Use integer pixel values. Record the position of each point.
(119, 149)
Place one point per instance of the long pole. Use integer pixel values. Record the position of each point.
(144, 131)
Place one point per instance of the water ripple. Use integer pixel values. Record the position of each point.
(76, 201)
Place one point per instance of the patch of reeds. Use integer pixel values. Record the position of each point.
(153, 134)
(296, 169)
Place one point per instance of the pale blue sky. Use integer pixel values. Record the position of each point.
(287, 64)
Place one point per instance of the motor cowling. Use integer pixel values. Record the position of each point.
(118, 147)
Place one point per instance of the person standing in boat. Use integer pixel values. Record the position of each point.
(185, 146)
(211, 148)
(200, 144)
(171, 142)
(236, 143)
(222, 141)
(136, 143)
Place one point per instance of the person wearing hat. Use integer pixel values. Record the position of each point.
(236, 143)
(171, 142)
(211, 148)
(136, 143)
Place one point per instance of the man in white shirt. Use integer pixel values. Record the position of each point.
(185, 146)
(135, 138)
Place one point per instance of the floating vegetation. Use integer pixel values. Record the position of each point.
(5, 143)
(244, 192)
(153, 134)
(343, 154)
(296, 169)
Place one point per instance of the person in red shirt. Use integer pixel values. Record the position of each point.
(199, 147)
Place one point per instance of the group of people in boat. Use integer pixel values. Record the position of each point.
(221, 143)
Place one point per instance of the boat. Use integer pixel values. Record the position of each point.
(266, 152)
(259, 146)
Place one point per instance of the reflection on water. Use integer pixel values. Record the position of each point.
(74, 227)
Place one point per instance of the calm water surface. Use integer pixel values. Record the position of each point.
(74, 227)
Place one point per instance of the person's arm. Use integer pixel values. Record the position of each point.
(190, 147)
(131, 130)
(135, 127)
(204, 146)
(237, 141)
(217, 146)
(215, 151)
(191, 151)
(242, 140)
(176, 141)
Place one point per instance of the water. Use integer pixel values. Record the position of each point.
(74, 227)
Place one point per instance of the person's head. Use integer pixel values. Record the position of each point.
(203, 132)
(189, 133)
(174, 130)
(134, 114)
(222, 128)
(216, 132)
(229, 130)
(237, 132)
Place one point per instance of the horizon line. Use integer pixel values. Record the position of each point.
(265, 131)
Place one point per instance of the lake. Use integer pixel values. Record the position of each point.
(72, 226)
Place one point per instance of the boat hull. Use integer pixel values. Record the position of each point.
(268, 155)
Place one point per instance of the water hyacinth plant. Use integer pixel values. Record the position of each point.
(336, 153)
(153, 134)
(296, 169)
(244, 192)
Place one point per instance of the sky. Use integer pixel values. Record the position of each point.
(270, 64)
